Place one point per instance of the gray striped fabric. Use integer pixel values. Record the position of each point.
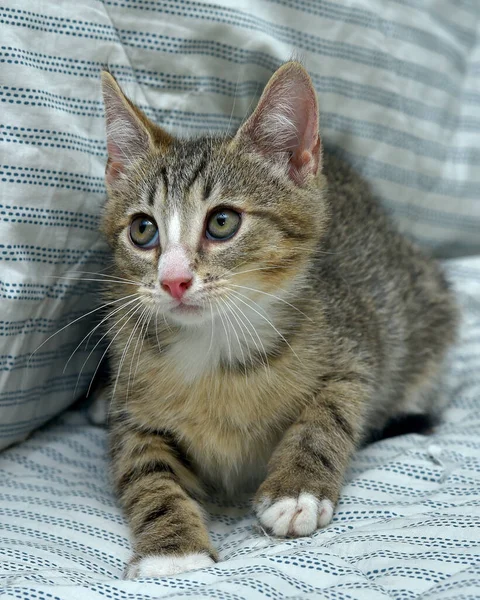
(407, 526)
(399, 90)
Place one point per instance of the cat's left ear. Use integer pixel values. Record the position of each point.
(284, 126)
(130, 134)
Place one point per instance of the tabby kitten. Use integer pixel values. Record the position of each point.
(266, 319)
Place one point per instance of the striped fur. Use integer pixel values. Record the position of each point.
(315, 325)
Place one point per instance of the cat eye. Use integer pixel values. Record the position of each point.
(222, 224)
(144, 232)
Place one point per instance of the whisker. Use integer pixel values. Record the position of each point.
(266, 363)
(228, 271)
(229, 308)
(104, 276)
(138, 325)
(233, 273)
(156, 331)
(124, 353)
(265, 318)
(255, 97)
(272, 296)
(91, 279)
(211, 336)
(227, 134)
(79, 319)
(143, 333)
(227, 131)
(99, 325)
(226, 335)
(236, 335)
(105, 352)
(167, 325)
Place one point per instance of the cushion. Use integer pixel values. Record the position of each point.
(406, 527)
(399, 97)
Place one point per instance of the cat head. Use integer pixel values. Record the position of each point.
(213, 223)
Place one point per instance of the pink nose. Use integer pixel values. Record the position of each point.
(176, 287)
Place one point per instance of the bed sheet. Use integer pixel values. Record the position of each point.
(407, 526)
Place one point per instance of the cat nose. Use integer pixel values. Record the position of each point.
(176, 287)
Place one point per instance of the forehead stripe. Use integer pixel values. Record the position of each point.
(208, 188)
(200, 167)
(152, 190)
(163, 174)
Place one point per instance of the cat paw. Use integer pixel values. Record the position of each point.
(161, 565)
(97, 412)
(294, 517)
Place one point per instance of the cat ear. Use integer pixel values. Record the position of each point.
(284, 126)
(130, 134)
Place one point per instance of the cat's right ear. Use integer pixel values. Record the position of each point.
(284, 126)
(130, 134)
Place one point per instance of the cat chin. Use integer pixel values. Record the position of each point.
(188, 315)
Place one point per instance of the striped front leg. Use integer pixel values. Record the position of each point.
(156, 486)
(306, 471)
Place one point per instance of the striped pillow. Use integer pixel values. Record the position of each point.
(399, 88)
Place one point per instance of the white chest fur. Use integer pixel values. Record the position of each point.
(229, 338)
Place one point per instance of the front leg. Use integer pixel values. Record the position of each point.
(306, 471)
(157, 486)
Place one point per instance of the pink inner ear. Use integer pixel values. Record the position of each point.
(286, 122)
(115, 165)
(113, 170)
(306, 156)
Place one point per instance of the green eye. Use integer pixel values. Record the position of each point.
(222, 224)
(144, 232)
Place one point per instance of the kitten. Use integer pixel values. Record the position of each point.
(267, 318)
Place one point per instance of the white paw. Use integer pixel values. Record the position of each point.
(295, 517)
(158, 565)
(97, 412)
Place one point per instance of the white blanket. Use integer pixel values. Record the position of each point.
(408, 523)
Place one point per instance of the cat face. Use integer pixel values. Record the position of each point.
(215, 227)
